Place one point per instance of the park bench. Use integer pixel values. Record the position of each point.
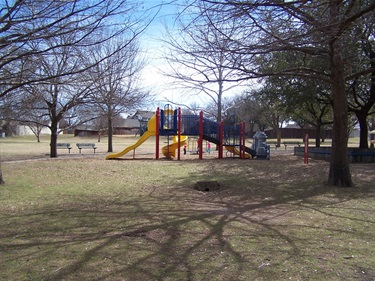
(86, 146)
(286, 143)
(272, 143)
(63, 145)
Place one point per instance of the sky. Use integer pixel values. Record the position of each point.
(152, 48)
(152, 78)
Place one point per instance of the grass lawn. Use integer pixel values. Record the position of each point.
(80, 217)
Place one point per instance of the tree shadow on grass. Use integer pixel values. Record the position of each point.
(261, 224)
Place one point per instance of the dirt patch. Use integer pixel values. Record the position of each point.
(207, 186)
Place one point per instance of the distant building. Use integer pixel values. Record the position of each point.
(126, 127)
(23, 130)
(142, 115)
(295, 132)
(132, 125)
(85, 131)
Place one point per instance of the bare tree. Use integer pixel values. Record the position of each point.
(198, 60)
(315, 29)
(59, 95)
(31, 33)
(28, 110)
(26, 25)
(115, 80)
(251, 111)
(7, 114)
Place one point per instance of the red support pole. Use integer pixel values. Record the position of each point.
(242, 140)
(200, 139)
(221, 139)
(157, 133)
(241, 150)
(306, 154)
(179, 133)
(240, 147)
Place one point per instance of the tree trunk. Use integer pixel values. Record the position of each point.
(110, 134)
(53, 143)
(53, 146)
(278, 137)
(339, 172)
(363, 131)
(317, 135)
(1, 176)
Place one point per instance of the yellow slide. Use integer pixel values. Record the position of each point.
(170, 150)
(235, 151)
(151, 131)
(143, 138)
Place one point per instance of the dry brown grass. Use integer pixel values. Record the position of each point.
(80, 217)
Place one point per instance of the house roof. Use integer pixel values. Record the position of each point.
(85, 128)
(129, 123)
(293, 126)
(145, 115)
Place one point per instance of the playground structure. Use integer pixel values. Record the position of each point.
(177, 127)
